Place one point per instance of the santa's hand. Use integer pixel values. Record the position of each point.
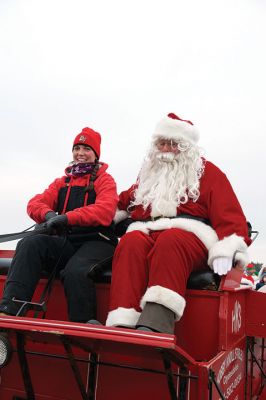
(221, 265)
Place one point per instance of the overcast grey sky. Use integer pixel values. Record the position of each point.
(119, 66)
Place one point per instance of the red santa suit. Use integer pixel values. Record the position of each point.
(155, 257)
(248, 280)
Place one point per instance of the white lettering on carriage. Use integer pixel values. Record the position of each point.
(236, 317)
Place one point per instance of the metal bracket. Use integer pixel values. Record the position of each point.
(256, 361)
(24, 367)
(67, 345)
(169, 375)
(212, 379)
(254, 358)
(26, 306)
(183, 376)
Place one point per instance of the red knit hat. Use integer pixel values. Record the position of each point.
(91, 138)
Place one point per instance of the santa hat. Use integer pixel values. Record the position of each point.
(174, 128)
(250, 266)
(90, 138)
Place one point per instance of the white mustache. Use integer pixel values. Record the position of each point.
(166, 157)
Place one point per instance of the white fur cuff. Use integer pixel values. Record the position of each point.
(138, 226)
(120, 215)
(167, 298)
(123, 316)
(227, 247)
(247, 282)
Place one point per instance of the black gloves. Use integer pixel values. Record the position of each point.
(50, 215)
(56, 225)
(41, 227)
(121, 227)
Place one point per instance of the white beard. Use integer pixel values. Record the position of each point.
(167, 180)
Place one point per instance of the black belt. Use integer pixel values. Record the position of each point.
(187, 216)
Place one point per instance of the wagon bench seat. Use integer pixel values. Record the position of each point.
(102, 272)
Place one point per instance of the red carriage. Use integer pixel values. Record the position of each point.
(217, 352)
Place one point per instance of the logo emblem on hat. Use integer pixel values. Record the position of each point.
(82, 138)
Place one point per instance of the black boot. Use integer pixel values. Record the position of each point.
(145, 329)
(156, 318)
(94, 322)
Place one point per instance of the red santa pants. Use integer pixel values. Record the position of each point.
(159, 265)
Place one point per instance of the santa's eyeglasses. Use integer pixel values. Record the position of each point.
(168, 143)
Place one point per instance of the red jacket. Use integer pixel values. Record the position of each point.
(99, 213)
(217, 203)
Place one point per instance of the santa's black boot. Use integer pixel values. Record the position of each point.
(156, 318)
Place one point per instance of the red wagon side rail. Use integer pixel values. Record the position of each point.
(217, 351)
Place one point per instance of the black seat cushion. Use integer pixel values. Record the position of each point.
(102, 272)
(205, 280)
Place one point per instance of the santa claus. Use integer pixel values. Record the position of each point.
(185, 216)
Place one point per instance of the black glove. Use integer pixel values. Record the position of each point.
(50, 215)
(121, 227)
(57, 225)
(40, 227)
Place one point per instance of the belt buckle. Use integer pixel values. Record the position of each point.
(156, 218)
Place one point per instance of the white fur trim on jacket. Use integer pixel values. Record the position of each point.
(204, 232)
(120, 215)
(123, 316)
(247, 282)
(232, 246)
(166, 297)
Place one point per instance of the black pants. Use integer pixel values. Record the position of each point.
(42, 252)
